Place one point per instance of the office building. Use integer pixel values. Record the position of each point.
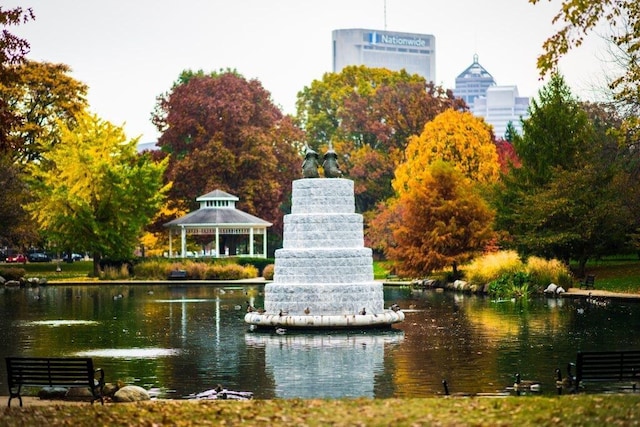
(473, 82)
(415, 53)
(501, 105)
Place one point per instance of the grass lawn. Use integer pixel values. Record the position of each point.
(566, 410)
(616, 274)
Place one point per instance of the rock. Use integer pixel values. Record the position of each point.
(551, 289)
(560, 290)
(50, 393)
(109, 389)
(131, 393)
(79, 393)
(12, 283)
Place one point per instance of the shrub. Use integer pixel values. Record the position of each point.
(231, 272)
(259, 263)
(492, 266)
(543, 272)
(510, 285)
(13, 273)
(115, 273)
(267, 271)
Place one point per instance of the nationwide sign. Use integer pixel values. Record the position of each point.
(377, 38)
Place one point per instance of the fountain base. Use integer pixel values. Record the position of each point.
(332, 321)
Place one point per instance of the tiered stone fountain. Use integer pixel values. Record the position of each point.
(323, 276)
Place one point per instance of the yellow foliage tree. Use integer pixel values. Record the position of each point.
(457, 138)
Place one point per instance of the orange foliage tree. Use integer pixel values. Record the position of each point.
(441, 220)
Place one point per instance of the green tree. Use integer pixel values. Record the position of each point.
(223, 131)
(442, 221)
(566, 199)
(96, 193)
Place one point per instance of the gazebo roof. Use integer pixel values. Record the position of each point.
(212, 215)
(218, 216)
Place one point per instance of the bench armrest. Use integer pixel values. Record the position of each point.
(101, 379)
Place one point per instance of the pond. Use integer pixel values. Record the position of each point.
(180, 340)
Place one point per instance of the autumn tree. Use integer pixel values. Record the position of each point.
(12, 189)
(43, 95)
(456, 137)
(96, 193)
(442, 221)
(224, 132)
(577, 18)
(367, 114)
(12, 51)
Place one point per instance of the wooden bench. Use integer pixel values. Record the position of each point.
(177, 275)
(588, 282)
(606, 366)
(53, 372)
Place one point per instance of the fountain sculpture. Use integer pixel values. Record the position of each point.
(323, 277)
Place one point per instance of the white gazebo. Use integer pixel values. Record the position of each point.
(218, 216)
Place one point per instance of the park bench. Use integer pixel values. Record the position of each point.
(53, 372)
(588, 282)
(177, 274)
(606, 366)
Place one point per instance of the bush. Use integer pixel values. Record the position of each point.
(259, 263)
(115, 273)
(13, 273)
(543, 272)
(492, 266)
(510, 285)
(267, 271)
(159, 269)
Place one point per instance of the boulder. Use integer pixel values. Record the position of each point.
(51, 393)
(79, 393)
(131, 393)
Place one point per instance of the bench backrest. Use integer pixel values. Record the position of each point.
(608, 365)
(50, 372)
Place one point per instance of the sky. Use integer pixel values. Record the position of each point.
(130, 51)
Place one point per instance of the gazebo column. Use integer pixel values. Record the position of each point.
(183, 241)
(264, 242)
(251, 241)
(217, 242)
(170, 243)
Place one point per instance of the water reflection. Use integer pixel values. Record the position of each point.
(187, 339)
(324, 365)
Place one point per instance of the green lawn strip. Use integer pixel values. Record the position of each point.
(568, 410)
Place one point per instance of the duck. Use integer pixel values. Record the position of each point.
(395, 307)
(363, 311)
(562, 382)
(520, 385)
(281, 331)
(307, 310)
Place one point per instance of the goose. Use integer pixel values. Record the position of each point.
(525, 385)
(562, 382)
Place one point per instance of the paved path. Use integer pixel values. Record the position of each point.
(583, 293)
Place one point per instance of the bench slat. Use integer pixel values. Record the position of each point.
(608, 366)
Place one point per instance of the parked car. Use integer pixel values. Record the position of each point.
(38, 257)
(72, 257)
(17, 258)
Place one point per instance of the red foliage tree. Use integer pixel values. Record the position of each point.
(223, 132)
